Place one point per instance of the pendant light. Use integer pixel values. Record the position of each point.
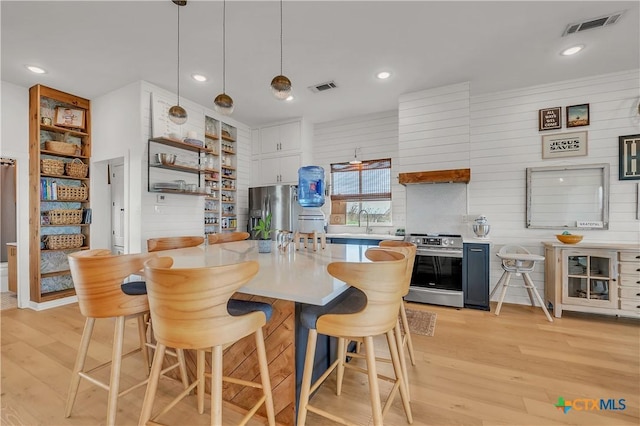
(223, 102)
(281, 85)
(355, 157)
(177, 114)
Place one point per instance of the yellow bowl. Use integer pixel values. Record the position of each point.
(569, 239)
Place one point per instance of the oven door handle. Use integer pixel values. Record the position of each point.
(439, 253)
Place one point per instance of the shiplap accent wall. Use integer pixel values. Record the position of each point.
(375, 136)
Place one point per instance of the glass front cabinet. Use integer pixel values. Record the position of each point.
(589, 278)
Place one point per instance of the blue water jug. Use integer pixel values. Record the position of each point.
(311, 186)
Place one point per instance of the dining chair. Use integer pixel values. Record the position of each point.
(367, 309)
(227, 237)
(517, 260)
(97, 278)
(189, 310)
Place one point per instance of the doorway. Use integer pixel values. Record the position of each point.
(116, 181)
(8, 233)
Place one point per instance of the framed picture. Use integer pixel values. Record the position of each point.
(69, 117)
(578, 115)
(564, 145)
(629, 163)
(550, 118)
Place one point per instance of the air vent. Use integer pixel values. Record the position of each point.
(593, 23)
(323, 86)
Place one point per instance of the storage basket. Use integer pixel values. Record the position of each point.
(72, 193)
(65, 217)
(63, 241)
(52, 167)
(76, 168)
(61, 147)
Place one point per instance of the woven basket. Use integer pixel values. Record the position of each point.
(63, 241)
(52, 167)
(76, 168)
(61, 147)
(72, 193)
(65, 217)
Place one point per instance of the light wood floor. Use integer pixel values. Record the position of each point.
(478, 369)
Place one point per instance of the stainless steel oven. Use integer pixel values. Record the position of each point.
(437, 272)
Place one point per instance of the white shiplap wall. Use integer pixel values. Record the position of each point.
(375, 136)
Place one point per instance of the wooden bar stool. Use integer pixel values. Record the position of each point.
(313, 236)
(97, 278)
(519, 261)
(369, 308)
(169, 243)
(189, 310)
(227, 237)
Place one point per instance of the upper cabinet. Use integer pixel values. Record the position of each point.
(59, 207)
(280, 138)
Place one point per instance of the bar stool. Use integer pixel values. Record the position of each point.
(518, 260)
(169, 243)
(227, 237)
(313, 236)
(369, 308)
(97, 277)
(189, 311)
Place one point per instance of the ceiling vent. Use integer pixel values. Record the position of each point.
(322, 87)
(593, 23)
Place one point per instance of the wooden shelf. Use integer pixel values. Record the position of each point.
(178, 168)
(75, 248)
(211, 136)
(212, 199)
(228, 177)
(54, 295)
(65, 226)
(176, 143)
(228, 189)
(228, 151)
(227, 167)
(64, 201)
(58, 154)
(63, 130)
(437, 176)
(55, 274)
(62, 177)
(177, 191)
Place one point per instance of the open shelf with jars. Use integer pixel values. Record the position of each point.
(59, 212)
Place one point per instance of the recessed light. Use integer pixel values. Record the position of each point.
(199, 77)
(289, 98)
(572, 50)
(36, 70)
(383, 75)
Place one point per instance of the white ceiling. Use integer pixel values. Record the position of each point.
(93, 47)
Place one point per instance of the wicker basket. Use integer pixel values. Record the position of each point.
(52, 167)
(76, 168)
(63, 241)
(72, 193)
(61, 147)
(65, 217)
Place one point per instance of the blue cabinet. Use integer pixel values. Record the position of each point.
(475, 276)
(356, 241)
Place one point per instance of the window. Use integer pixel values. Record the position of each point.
(357, 187)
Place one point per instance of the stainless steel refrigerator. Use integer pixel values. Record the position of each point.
(281, 201)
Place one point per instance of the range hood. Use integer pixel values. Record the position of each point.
(436, 176)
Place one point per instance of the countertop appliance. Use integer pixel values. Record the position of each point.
(437, 272)
(279, 200)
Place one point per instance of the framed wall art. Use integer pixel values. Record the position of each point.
(550, 118)
(564, 145)
(629, 157)
(578, 115)
(69, 117)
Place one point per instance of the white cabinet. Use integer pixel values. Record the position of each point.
(629, 283)
(589, 278)
(280, 138)
(280, 170)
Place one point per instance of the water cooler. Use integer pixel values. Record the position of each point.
(311, 198)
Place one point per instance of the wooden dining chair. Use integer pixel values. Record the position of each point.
(189, 310)
(227, 237)
(169, 243)
(97, 278)
(369, 308)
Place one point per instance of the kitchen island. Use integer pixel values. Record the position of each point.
(287, 280)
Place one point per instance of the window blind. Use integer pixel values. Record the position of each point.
(369, 180)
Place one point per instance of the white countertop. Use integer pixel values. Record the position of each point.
(365, 236)
(299, 276)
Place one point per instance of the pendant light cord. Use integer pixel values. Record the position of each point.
(178, 55)
(280, 37)
(224, 46)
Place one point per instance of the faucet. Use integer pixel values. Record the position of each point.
(367, 229)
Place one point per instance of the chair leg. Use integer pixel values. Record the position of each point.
(305, 387)
(528, 288)
(182, 365)
(216, 385)
(374, 390)
(264, 377)
(530, 285)
(505, 285)
(79, 365)
(498, 285)
(200, 361)
(142, 333)
(394, 350)
(152, 385)
(407, 334)
(403, 360)
(116, 363)
(342, 355)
